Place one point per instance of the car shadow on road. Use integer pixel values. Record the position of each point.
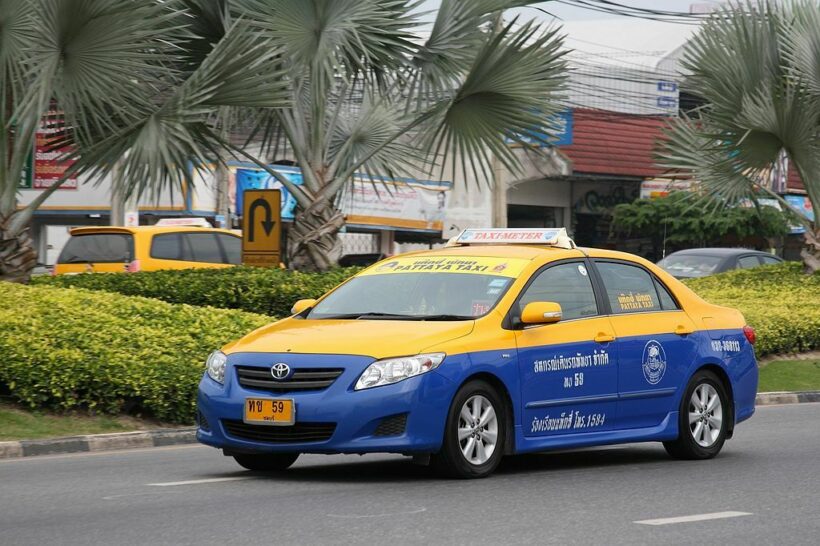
(401, 469)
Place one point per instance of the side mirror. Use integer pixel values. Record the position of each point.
(301, 305)
(541, 312)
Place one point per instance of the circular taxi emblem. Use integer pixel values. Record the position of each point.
(654, 362)
(280, 371)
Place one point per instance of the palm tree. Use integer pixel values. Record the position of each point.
(757, 67)
(338, 86)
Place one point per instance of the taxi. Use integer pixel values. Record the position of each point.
(108, 249)
(506, 341)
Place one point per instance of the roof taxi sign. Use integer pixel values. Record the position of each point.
(552, 237)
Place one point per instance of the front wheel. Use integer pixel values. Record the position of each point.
(267, 462)
(703, 420)
(474, 434)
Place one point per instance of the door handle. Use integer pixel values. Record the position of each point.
(603, 337)
(682, 330)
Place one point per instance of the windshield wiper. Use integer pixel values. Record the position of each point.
(386, 316)
(442, 317)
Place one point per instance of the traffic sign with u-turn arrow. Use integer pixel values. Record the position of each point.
(262, 228)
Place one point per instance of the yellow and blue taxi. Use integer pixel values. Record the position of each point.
(506, 341)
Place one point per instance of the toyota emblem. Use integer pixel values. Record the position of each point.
(280, 371)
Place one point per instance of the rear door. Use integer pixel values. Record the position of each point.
(656, 342)
(96, 252)
(568, 369)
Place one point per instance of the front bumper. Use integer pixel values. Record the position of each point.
(424, 400)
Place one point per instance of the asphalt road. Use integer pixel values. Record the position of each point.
(770, 472)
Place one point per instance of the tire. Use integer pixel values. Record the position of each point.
(704, 437)
(265, 462)
(482, 455)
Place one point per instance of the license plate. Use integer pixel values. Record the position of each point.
(270, 411)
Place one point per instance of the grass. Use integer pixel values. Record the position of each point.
(790, 375)
(19, 424)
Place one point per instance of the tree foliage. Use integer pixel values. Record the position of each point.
(337, 86)
(679, 221)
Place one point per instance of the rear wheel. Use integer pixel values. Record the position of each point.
(266, 462)
(474, 434)
(703, 419)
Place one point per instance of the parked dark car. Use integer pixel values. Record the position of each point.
(700, 262)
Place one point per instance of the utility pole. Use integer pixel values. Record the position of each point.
(499, 184)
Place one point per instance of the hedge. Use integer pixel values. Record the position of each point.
(780, 302)
(64, 349)
(255, 290)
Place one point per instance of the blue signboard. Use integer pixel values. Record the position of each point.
(801, 204)
(249, 179)
(561, 131)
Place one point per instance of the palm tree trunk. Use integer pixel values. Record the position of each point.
(811, 252)
(313, 240)
(17, 254)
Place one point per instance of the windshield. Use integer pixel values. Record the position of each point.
(690, 265)
(422, 289)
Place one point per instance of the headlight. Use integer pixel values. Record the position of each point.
(216, 366)
(393, 370)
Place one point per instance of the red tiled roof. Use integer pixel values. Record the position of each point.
(614, 143)
(794, 182)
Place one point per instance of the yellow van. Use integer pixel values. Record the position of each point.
(147, 248)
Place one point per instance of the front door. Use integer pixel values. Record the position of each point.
(568, 369)
(656, 343)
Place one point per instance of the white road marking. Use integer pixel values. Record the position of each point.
(354, 516)
(196, 482)
(696, 517)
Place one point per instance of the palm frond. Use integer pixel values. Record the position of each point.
(510, 90)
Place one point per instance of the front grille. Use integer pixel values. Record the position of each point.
(298, 433)
(202, 421)
(302, 379)
(392, 426)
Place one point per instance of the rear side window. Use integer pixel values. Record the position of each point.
(170, 246)
(232, 247)
(666, 299)
(98, 248)
(629, 288)
(204, 247)
(768, 260)
(565, 284)
(748, 262)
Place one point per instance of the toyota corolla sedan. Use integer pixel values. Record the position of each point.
(507, 341)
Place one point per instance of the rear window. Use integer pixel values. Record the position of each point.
(98, 248)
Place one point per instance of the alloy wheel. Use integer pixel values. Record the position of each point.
(477, 430)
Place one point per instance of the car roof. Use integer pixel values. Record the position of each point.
(149, 230)
(723, 252)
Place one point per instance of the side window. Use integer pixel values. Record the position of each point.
(667, 301)
(204, 247)
(166, 247)
(769, 260)
(566, 284)
(232, 247)
(629, 288)
(747, 262)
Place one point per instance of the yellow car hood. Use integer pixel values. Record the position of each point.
(376, 338)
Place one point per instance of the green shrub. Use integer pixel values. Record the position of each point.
(256, 290)
(109, 353)
(780, 302)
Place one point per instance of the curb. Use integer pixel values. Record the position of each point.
(98, 442)
(773, 398)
